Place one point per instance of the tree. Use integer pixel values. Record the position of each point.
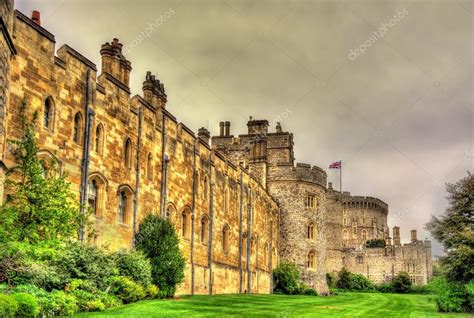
(287, 278)
(158, 240)
(401, 283)
(38, 206)
(455, 230)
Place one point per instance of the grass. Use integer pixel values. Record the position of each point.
(342, 305)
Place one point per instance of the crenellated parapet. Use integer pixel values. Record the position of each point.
(301, 172)
(364, 202)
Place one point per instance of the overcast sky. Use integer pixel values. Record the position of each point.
(399, 114)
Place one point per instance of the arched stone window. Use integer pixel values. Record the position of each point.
(364, 235)
(96, 193)
(149, 167)
(49, 163)
(171, 212)
(92, 196)
(345, 234)
(125, 199)
(128, 154)
(48, 113)
(77, 132)
(204, 235)
(311, 232)
(311, 263)
(225, 238)
(99, 139)
(186, 224)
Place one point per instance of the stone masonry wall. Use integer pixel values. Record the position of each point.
(39, 77)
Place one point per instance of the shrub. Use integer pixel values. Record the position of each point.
(401, 283)
(94, 305)
(151, 291)
(350, 281)
(81, 284)
(126, 290)
(449, 296)
(419, 289)
(134, 265)
(8, 306)
(158, 240)
(59, 304)
(86, 262)
(330, 280)
(27, 305)
(375, 243)
(386, 287)
(286, 276)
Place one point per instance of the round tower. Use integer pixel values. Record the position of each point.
(301, 194)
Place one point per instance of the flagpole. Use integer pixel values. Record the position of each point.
(340, 178)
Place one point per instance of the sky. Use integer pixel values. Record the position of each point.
(384, 86)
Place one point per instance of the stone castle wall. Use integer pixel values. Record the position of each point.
(178, 181)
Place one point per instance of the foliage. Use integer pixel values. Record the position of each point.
(134, 265)
(59, 303)
(27, 305)
(37, 208)
(386, 287)
(375, 243)
(351, 281)
(126, 289)
(454, 229)
(451, 296)
(8, 306)
(287, 278)
(158, 240)
(151, 291)
(401, 283)
(330, 280)
(86, 262)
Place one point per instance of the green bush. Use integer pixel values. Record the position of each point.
(375, 243)
(134, 265)
(351, 281)
(419, 289)
(151, 291)
(449, 296)
(330, 280)
(81, 284)
(8, 306)
(158, 240)
(27, 305)
(95, 305)
(126, 289)
(59, 303)
(401, 283)
(386, 287)
(286, 278)
(86, 262)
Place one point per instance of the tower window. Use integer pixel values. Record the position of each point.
(48, 113)
(310, 201)
(77, 133)
(311, 263)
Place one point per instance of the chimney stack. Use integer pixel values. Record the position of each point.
(204, 135)
(227, 128)
(278, 127)
(114, 62)
(36, 17)
(396, 235)
(221, 128)
(154, 91)
(414, 239)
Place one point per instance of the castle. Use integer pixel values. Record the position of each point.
(239, 203)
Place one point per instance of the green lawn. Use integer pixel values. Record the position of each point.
(342, 305)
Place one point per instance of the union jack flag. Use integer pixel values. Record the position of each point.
(335, 165)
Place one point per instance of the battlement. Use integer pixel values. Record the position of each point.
(301, 172)
(364, 202)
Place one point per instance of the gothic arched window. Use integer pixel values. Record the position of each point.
(77, 133)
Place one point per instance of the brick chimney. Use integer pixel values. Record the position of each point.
(36, 17)
(114, 62)
(221, 128)
(227, 128)
(414, 238)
